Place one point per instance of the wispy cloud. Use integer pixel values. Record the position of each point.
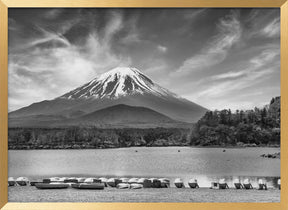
(229, 33)
(263, 23)
(272, 29)
(162, 48)
(254, 71)
(254, 64)
(47, 72)
(53, 13)
(191, 15)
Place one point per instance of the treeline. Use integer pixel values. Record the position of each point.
(258, 127)
(250, 127)
(91, 138)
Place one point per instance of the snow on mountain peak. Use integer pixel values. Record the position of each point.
(120, 71)
(118, 82)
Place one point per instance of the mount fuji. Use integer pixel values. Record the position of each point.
(124, 86)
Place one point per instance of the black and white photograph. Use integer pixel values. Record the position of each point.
(147, 105)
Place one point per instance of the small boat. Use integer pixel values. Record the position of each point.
(113, 182)
(247, 185)
(136, 186)
(123, 186)
(54, 179)
(223, 185)
(179, 183)
(81, 180)
(262, 185)
(46, 181)
(141, 181)
(97, 180)
(22, 181)
(62, 179)
(147, 183)
(89, 186)
(89, 180)
(156, 183)
(133, 180)
(55, 185)
(214, 185)
(279, 184)
(103, 180)
(71, 180)
(165, 183)
(151, 179)
(11, 182)
(238, 185)
(193, 183)
(124, 180)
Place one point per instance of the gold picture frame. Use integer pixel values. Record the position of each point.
(5, 4)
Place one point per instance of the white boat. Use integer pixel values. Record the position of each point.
(141, 181)
(179, 183)
(136, 186)
(22, 181)
(222, 184)
(124, 180)
(133, 180)
(165, 183)
(238, 184)
(11, 181)
(193, 183)
(247, 185)
(123, 186)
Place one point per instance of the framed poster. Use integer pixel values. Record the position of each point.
(143, 104)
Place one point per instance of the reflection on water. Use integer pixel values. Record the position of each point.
(204, 164)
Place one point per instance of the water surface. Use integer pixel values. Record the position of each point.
(205, 164)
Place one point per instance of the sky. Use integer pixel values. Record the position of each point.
(218, 58)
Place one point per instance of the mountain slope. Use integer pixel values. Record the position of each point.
(118, 116)
(121, 115)
(119, 86)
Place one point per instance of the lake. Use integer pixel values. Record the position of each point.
(205, 164)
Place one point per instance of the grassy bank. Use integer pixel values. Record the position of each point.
(31, 194)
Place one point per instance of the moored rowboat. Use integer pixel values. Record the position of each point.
(133, 180)
(113, 182)
(179, 183)
(165, 183)
(193, 183)
(136, 186)
(11, 181)
(156, 183)
(123, 186)
(22, 181)
(43, 186)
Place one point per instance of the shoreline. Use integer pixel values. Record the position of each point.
(154, 195)
(184, 146)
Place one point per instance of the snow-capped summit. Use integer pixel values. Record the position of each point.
(120, 81)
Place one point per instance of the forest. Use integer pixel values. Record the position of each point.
(257, 127)
(251, 127)
(94, 138)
